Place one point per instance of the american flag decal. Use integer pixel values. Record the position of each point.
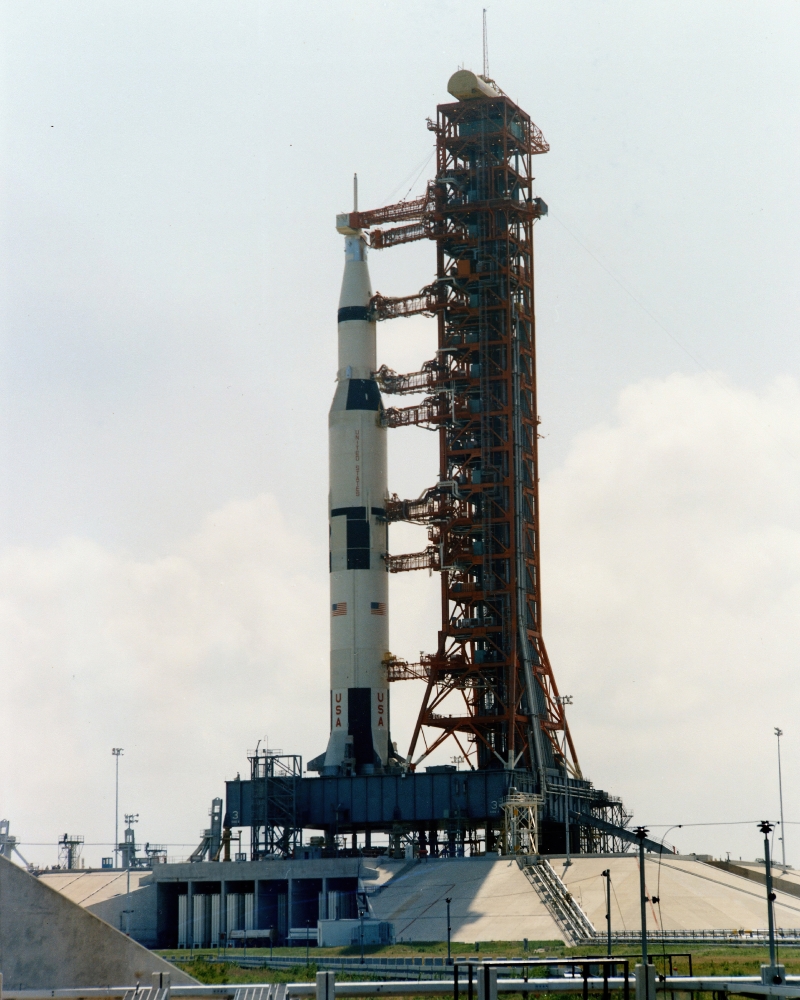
(377, 608)
(340, 608)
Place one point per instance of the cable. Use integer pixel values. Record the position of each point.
(388, 199)
(621, 915)
(639, 303)
(734, 822)
(98, 843)
(425, 164)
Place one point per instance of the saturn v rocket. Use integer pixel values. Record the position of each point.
(359, 587)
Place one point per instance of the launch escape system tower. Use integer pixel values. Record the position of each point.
(488, 685)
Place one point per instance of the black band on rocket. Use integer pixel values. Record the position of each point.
(353, 312)
(363, 394)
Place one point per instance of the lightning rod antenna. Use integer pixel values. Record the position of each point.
(485, 48)
(355, 192)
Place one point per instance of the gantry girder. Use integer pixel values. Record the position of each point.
(424, 303)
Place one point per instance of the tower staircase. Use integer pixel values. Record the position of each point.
(560, 902)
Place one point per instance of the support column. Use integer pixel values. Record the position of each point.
(487, 982)
(223, 910)
(190, 912)
(645, 978)
(326, 986)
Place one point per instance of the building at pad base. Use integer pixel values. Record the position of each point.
(487, 686)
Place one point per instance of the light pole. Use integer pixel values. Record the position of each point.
(607, 876)
(641, 833)
(448, 900)
(363, 907)
(563, 701)
(117, 752)
(130, 819)
(766, 828)
(779, 733)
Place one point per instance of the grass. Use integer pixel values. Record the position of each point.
(424, 949)
(216, 973)
(719, 960)
(707, 960)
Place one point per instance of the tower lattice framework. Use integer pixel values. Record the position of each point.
(491, 649)
(489, 684)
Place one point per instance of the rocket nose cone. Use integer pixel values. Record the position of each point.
(355, 248)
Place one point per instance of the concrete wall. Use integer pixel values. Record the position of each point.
(300, 883)
(49, 942)
(142, 918)
(492, 898)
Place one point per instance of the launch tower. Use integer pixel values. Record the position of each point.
(483, 513)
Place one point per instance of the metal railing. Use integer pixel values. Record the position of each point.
(787, 936)
(559, 901)
(594, 974)
(481, 982)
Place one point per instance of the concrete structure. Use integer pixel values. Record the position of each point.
(49, 942)
(787, 881)
(105, 894)
(201, 904)
(493, 898)
(694, 895)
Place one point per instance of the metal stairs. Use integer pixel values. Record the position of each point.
(559, 901)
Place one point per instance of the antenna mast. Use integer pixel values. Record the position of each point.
(485, 48)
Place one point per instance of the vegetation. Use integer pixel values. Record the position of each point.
(707, 960)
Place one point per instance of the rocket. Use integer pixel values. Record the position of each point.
(359, 740)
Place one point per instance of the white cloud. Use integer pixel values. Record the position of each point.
(671, 543)
(184, 660)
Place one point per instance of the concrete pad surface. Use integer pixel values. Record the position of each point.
(693, 895)
(90, 887)
(492, 901)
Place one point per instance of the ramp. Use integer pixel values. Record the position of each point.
(492, 900)
(48, 942)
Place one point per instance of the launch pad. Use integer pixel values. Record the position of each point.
(439, 812)
(489, 688)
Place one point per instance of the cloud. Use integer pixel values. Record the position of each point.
(671, 550)
(184, 660)
(671, 571)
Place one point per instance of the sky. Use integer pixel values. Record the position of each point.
(169, 274)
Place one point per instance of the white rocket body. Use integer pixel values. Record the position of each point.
(359, 592)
